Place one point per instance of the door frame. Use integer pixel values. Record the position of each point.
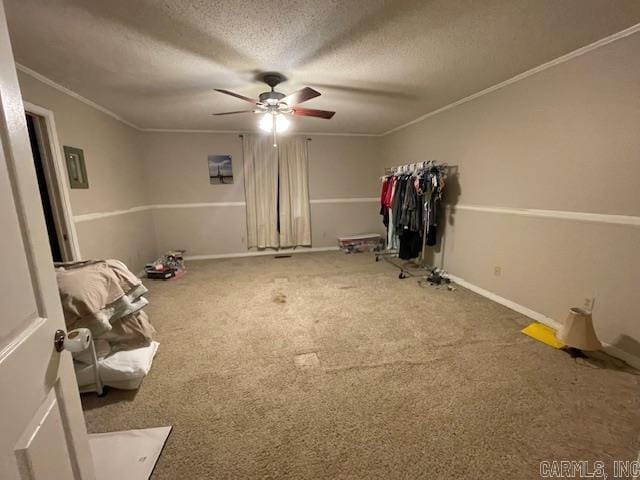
(56, 173)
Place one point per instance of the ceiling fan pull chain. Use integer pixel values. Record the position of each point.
(275, 143)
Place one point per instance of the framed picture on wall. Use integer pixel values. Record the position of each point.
(220, 169)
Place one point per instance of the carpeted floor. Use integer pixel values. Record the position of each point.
(406, 381)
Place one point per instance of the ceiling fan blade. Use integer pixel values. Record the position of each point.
(307, 93)
(237, 95)
(231, 113)
(311, 112)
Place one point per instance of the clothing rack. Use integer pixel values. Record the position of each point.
(413, 167)
(411, 268)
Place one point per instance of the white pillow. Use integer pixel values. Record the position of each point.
(121, 366)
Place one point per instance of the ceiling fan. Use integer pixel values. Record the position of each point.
(275, 106)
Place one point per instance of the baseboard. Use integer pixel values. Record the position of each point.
(260, 253)
(621, 354)
(527, 312)
(539, 317)
(285, 251)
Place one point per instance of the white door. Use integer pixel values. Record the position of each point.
(42, 430)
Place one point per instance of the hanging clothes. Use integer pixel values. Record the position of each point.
(384, 192)
(410, 221)
(409, 204)
(397, 202)
(410, 245)
(387, 205)
(392, 237)
(432, 186)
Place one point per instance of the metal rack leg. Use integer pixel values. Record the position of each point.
(96, 370)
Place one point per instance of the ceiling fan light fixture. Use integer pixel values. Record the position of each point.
(282, 123)
(275, 106)
(267, 120)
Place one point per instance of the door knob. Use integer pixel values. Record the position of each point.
(58, 340)
(75, 341)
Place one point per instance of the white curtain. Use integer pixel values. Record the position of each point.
(262, 166)
(295, 218)
(261, 191)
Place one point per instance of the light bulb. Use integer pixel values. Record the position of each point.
(266, 122)
(282, 123)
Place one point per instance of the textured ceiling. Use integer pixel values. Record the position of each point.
(378, 63)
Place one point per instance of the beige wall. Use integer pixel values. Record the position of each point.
(116, 176)
(131, 168)
(563, 139)
(176, 164)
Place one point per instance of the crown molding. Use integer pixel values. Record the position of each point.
(179, 130)
(564, 58)
(239, 132)
(71, 93)
(47, 81)
(340, 134)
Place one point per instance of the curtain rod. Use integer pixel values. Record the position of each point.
(242, 136)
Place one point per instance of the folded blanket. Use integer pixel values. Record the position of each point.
(94, 294)
(102, 321)
(128, 333)
(128, 281)
(87, 289)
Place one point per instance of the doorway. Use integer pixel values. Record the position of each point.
(50, 188)
(43, 188)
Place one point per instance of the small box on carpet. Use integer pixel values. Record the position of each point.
(170, 265)
(367, 242)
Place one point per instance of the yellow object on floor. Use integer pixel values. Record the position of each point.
(543, 334)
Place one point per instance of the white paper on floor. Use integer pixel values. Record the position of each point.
(127, 455)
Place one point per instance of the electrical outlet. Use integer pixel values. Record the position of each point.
(497, 271)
